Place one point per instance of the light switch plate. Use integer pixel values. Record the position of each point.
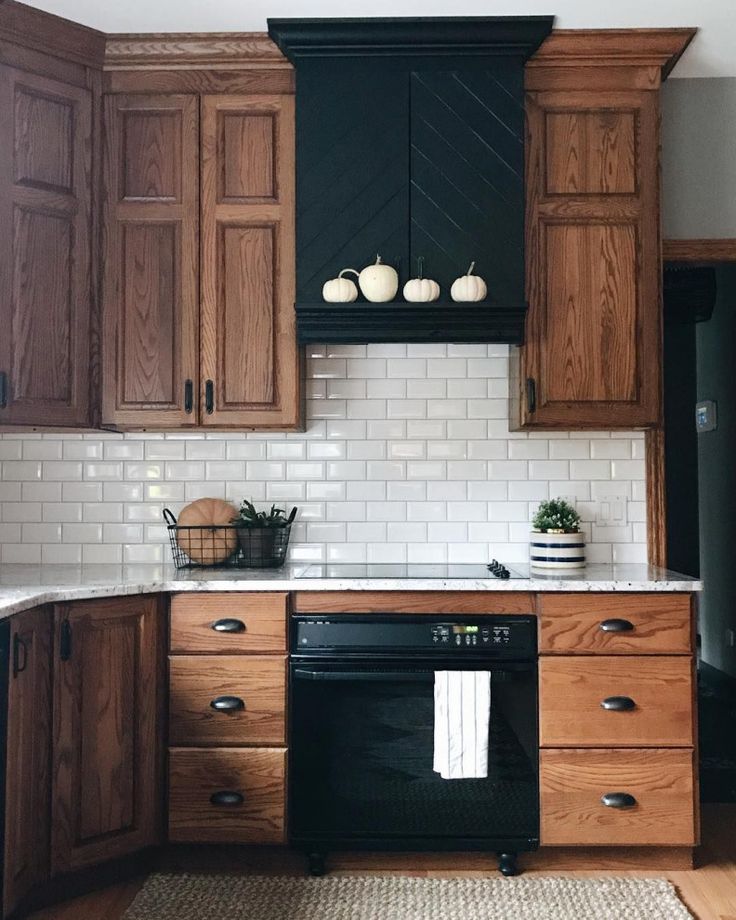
(612, 510)
(706, 416)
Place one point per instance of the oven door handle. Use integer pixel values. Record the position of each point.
(417, 676)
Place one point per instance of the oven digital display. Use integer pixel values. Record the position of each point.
(464, 630)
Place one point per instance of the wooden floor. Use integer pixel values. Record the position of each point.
(709, 890)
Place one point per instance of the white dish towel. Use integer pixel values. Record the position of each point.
(462, 710)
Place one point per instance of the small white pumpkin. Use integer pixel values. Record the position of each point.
(468, 288)
(421, 289)
(340, 290)
(378, 282)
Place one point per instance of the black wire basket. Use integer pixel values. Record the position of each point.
(227, 545)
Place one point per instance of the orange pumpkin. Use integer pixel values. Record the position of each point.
(209, 546)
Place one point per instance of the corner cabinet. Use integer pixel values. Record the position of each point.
(592, 353)
(106, 762)
(45, 256)
(28, 777)
(198, 306)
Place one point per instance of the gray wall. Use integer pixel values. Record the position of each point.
(716, 380)
(699, 158)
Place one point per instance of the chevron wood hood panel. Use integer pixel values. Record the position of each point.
(410, 143)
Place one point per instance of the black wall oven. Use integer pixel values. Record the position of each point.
(362, 737)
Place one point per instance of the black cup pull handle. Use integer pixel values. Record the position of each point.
(188, 397)
(618, 800)
(229, 625)
(618, 703)
(209, 397)
(227, 797)
(20, 661)
(531, 394)
(3, 390)
(616, 626)
(227, 704)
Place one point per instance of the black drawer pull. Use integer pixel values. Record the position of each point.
(617, 626)
(226, 797)
(618, 703)
(188, 397)
(19, 662)
(227, 704)
(209, 397)
(618, 800)
(229, 626)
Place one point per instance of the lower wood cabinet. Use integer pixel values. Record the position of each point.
(106, 794)
(618, 797)
(228, 795)
(227, 718)
(27, 787)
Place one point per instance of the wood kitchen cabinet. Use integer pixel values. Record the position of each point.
(28, 780)
(198, 317)
(592, 353)
(106, 789)
(45, 256)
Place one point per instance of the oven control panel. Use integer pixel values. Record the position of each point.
(492, 636)
(462, 636)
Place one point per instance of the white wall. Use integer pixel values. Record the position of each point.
(407, 457)
(699, 158)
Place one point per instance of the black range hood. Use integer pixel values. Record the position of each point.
(410, 143)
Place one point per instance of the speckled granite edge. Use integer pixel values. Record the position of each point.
(23, 587)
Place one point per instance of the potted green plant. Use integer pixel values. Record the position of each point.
(263, 535)
(556, 540)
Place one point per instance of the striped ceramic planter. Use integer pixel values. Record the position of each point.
(557, 550)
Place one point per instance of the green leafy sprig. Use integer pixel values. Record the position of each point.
(250, 517)
(556, 515)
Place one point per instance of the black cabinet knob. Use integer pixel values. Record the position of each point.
(227, 704)
(228, 625)
(618, 800)
(618, 703)
(227, 797)
(616, 626)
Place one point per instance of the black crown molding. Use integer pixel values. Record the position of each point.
(470, 36)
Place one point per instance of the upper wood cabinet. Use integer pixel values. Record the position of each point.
(250, 362)
(28, 776)
(198, 312)
(106, 768)
(45, 264)
(593, 351)
(151, 259)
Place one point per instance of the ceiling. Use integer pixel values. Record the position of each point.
(710, 55)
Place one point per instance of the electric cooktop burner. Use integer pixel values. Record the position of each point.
(441, 571)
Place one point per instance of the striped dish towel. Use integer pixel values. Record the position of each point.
(462, 710)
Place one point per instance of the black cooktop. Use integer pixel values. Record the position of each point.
(441, 571)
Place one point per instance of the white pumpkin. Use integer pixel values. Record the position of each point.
(378, 282)
(340, 290)
(468, 288)
(421, 289)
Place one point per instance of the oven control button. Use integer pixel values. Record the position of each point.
(458, 640)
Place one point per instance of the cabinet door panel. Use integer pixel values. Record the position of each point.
(105, 763)
(151, 282)
(593, 335)
(45, 287)
(249, 348)
(28, 781)
(591, 326)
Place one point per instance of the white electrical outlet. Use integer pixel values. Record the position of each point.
(612, 510)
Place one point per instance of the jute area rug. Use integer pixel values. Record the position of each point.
(180, 896)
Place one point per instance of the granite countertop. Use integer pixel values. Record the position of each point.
(25, 586)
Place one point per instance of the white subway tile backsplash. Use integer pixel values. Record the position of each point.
(407, 455)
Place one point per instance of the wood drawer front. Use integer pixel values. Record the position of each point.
(257, 774)
(571, 623)
(662, 782)
(571, 691)
(263, 617)
(260, 682)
